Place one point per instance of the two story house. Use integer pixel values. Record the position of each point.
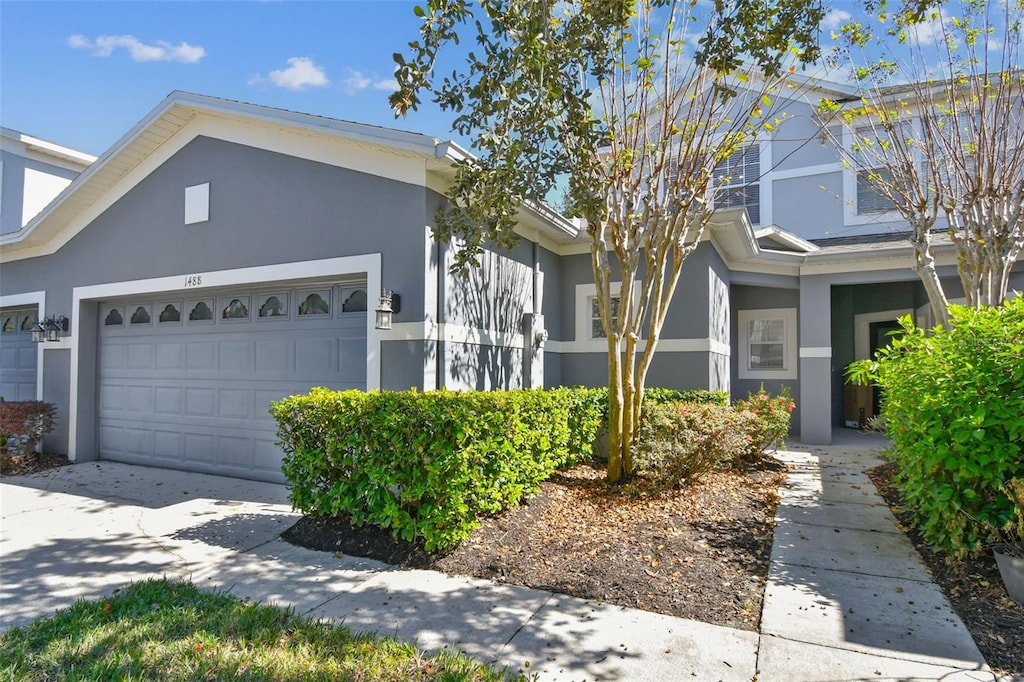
(221, 255)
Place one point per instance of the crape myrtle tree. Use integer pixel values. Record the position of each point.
(629, 107)
(939, 132)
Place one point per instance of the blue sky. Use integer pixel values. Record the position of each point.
(81, 74)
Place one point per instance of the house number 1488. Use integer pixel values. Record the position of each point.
(193, 281)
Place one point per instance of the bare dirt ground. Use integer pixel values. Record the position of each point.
(700, 552)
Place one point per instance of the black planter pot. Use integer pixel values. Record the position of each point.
(1010, 559)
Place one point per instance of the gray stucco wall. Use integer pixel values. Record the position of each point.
(265, 208)
(811, 207)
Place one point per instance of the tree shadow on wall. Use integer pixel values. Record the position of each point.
(489, 302)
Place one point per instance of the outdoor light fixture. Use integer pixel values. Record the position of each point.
(390, 303)
(50, 329)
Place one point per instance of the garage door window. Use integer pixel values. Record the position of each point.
(113, 317)
(10, 324)
(274, 305)
(202, 311)
(141, 315)
(235, 309)
(315, 304)
(354, 300)
(170, 313)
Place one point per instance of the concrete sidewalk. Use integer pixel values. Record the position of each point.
(832, 608)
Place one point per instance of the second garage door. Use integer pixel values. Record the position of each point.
(186, 380)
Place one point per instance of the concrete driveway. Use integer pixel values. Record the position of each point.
(83, 530)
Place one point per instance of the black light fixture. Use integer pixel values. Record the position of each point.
(390, 303)
(50, 329)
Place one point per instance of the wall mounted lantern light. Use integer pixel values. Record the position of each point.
(50, 329)
(390, 303)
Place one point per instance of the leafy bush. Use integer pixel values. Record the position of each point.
(771, 426)
(426, 465)
(23, 425)
(954, 409)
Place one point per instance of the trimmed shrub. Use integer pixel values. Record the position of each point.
(954, 409)
(427, 465)
(770, 425)
(23, 425)
(681, 442)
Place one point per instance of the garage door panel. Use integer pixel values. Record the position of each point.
(196, 396)
(201, 355)
(169, 400)
(170, 356)
(234, 403)
(141, 356)
(200, 402)
(314, 355)
(234, 356)
(275, 356)
(114, 356)
(168, 444)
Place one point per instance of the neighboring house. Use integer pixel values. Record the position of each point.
(222, 255)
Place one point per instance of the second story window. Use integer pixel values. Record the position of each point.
(870, 198)
(738, 182)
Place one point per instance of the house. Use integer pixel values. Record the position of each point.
(221, 255)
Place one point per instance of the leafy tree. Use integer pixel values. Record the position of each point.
(633, 105)
(939, 132)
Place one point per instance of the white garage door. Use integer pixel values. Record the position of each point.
(186, 380)
(17, 354)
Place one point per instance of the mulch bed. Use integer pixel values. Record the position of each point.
(973, 587)
(22, 466)
(701, 552)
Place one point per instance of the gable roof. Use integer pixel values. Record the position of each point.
(54, 225)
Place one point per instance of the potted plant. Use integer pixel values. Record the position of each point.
(1010, 554)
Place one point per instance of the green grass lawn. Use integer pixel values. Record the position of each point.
(164, 630)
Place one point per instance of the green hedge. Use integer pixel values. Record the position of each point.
(954, 409)
(426, 465)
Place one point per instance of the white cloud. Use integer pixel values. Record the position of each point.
(301, 73)
(161, 51)
(356, 81)
(835, 19)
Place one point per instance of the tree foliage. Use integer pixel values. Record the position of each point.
(939, 132)
(631, 107)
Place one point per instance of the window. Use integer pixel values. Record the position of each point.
(10, 324)
(869, 198)
(170, 313)
(141, 315)
(316, 304)
(596, 328)
(354, 300)
(738, 182)
(113, 318)
(274, 305)
(768, 348)
(588, 313)
(202, 311)
(236, 309)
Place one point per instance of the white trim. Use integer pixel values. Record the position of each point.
(862, 329)
(815, 352)
(453, 333)
(790, 351)
(600, 346)
(807, 171)
(38, 299)
(369, 263)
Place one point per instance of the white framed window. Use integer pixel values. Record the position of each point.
(738, 181)
(588, 313)
(768, 343)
